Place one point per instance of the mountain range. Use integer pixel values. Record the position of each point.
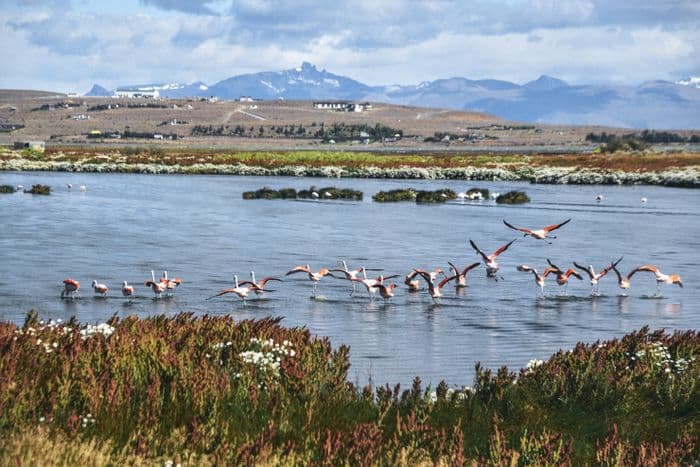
(653, 104)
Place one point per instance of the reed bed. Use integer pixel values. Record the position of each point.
(209, 390)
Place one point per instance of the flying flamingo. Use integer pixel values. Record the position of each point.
(462, 276)
(314, 277)
(490, 260)
(70, 288)
(350, 275)
(595, 278)
(386, 291)
(412, 283)
(624, 282)
(372, 284)
(661, 278)
(539, 234)
(562, 276)
(127, 290)
(259, 287)
(539, 279)
(100, 288)
(238, 289)
(435, 290)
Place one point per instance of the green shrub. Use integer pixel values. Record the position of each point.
(7, 189)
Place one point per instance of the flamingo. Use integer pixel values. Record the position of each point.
(19, 188)
(127, 290)
(386, 291)
(644, 200)
(83, 188)
(599, 198)
(562, 276)
(69, 186)
(70, 288)
(259, 287)
(661, 278)
(238, 289)
(539, 234)
(462, 276)
(100, 288)
(413, 284)
(539, 279)
(436, 290)
(371, 284)
(350, 275)
(490, 260)
(314, 277)
(157, 287)
(170, 284)
(624, 282)
(595, 278)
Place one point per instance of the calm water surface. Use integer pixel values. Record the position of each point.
(199, 228)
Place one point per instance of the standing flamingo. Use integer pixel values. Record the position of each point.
(490, 260)
(314, 277)
(100, 288)
(595, 278)
(462, 276)
(70, 288)
(157, 287)
(170, 284)
(539, 234)
(127, 290)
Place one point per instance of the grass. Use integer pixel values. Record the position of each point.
(208, 390)
(513, 197)
(7, 189)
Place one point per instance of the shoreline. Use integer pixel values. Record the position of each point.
(688, 177)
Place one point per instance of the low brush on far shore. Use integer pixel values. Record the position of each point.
(679, 169)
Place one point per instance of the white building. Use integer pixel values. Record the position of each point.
(132, 93)
(345, 106)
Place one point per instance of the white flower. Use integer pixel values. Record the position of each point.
(42, 419)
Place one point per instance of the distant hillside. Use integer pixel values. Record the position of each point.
(12, 94)
(654, 104)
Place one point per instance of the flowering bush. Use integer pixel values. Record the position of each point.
(208, 390)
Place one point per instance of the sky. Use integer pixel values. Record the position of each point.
(68, 45)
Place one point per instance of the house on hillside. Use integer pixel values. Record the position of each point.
(38, 146)
(343, 106)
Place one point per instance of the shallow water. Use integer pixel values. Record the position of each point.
(198, 228)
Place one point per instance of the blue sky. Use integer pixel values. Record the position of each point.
(67, 45)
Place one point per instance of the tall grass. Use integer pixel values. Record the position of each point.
(208, 390)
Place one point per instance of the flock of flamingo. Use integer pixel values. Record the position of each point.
(165, 286)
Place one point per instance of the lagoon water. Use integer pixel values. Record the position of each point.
(198, 228)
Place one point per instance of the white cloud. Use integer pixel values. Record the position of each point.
(393, 42)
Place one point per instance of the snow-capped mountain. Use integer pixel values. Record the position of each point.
(654, 104)
(304, 82)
